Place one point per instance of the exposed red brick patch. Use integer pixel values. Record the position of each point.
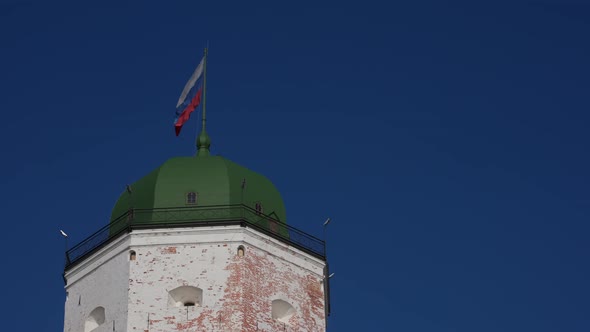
(168, 250)
(245, 298)
(255, 281)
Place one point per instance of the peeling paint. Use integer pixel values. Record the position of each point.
(237, 290)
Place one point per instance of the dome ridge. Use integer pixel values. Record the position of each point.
(216, 181)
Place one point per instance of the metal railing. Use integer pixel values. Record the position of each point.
(220, 215)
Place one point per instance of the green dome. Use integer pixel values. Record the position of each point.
(215, 180)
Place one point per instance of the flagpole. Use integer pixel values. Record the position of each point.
(205, 90)
(203, 140)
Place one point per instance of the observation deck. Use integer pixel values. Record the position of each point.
(196, 216)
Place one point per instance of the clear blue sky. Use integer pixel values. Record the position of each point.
(448, 141)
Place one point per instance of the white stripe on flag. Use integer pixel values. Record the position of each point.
(191, 82)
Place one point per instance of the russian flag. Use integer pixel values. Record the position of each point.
(190, 98)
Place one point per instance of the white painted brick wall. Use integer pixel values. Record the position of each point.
(101, 280)
(237, 291)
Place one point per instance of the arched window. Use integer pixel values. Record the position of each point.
(273, 225)
(95, 319)
(132, 255)
(241, 251)
(185, 296)
(282, 311)
(131, 214)
(191, 198)
(258, 208)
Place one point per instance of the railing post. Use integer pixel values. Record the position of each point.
(194, 217)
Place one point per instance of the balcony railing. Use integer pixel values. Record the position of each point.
(219, 215)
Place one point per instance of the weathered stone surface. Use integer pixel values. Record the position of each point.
(237, 291)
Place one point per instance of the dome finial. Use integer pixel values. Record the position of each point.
(203, 143)
(203, 140)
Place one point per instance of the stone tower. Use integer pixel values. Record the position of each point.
(199, 244)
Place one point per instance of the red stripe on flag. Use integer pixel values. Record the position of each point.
(185, 115)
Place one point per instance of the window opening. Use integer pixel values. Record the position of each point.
(95, 319)
(258, 208)
(241, 251)
(274, 227)
(282, 311)
(185, 296)
(191, 198)
(132, 255)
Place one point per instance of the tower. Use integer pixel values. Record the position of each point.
(199, 244)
